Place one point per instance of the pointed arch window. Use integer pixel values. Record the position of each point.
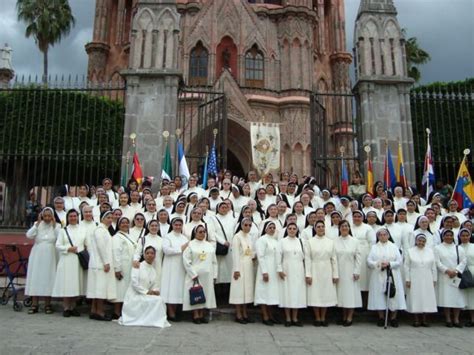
(198, 63)
(254, 67)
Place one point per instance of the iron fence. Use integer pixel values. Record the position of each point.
(66, 132)
(448, 111)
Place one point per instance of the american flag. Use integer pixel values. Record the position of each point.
(212, 163)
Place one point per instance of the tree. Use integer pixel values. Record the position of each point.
(416, 56)
(47, 21)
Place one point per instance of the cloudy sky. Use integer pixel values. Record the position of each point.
(444, 28)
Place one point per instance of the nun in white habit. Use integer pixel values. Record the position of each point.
(143, 305)
(385, 257)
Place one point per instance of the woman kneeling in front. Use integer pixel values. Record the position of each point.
(143, 305)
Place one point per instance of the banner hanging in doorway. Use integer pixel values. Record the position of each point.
(265, 140)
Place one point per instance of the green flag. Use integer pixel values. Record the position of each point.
(166, 167)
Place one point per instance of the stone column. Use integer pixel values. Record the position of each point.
(6, 70)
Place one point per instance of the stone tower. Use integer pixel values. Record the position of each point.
(6, 70)
(152, 81)
(382, 85)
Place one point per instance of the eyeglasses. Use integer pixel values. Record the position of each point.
(139, 219)
(247, 225)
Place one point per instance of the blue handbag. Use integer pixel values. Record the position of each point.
(196, 294)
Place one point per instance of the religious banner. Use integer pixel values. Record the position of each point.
(265, 140)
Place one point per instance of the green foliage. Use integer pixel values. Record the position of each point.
(59, 136)
(416, 56)
(447, 109)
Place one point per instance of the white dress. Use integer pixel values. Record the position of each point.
(420, 270)
(123, 249)
(42, 260)
(69, 274)
(268, 252)
(385, 252)
(224, 261)
(200, 260)
(172, 279)
(291, 262)
(366, 238)
(469, 292)
(136, 233)
(349, 264)
(140, 309)
(156, 242)
(446, 258)
(101, 284)
(242, 291)
(321, 266)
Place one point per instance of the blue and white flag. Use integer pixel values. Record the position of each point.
(212, 163)
(183, 166)
(428, 181)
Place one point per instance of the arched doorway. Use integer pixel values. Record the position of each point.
(226, 57)
(234, 165)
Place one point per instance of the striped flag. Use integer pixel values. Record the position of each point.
(182, 165)
(401, 178)
(370, 178)
(464, 189)
(344, 179)
(389, 176)
(428, 180)
(212, 163)
(166, 166)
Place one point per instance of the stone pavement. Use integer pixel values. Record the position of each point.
(21, 333)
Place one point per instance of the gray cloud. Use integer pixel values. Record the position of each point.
(445, 28)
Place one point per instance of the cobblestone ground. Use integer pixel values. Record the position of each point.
(21, 333)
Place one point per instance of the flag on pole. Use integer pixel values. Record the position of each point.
(137, 173)
(204, 173)
(428, 180)
(344, 179)
(389, 176)
(124, 173)
(370, 178)
(401, 178)
(166, 166)
(464, 188)
(182, 165)
(212, 163)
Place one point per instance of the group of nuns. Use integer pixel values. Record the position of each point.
(282, 244)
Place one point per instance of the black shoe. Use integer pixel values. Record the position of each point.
(104, 318)
(268, 322)
(33, 310)
(469, 324)
(197, 320)
(394, 323)
(115, 316)
(275, 321)
(416, 324)
(249, 320)
(457, 325)
(449, 324)
(75, 313)
(204, 320)
(426, 325)
(172, 319)
(325, 323)
(92, 316)
(241, 320)
(347, 323)
(67, 313)
(380, 322)
(287, 324)
(340, 322)
(318, 323)
(297, 323)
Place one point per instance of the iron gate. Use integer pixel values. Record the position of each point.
(200, 112)
(67, 132)
(333, 126)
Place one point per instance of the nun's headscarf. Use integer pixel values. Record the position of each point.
(411, 202)
(359, 212)
(422, 218)
(105, 214)
(173, 221)
(386, 230)
(267, 214)
(218, 206)
(286, 230)
(370, 213)
(241, 215)
(117, 229)
(443, 220)
(179, 202)
(306, 223)
(315, 225)
(59, 198)
(385, 213)
(461, 231)
(195, 229)
(444, 232)
(420, 236)
(245, 219)
(266, 225)
(335, 213)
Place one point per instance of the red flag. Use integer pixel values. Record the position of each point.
(137, 169)
(370, 178)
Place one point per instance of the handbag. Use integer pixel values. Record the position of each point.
(221, 249)
(467, 281)
(390, 288)
(83, 255)
(196, 294)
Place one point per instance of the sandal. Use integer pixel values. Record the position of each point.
(48, 310)
(33, 310)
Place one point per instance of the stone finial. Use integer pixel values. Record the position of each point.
(6, 57)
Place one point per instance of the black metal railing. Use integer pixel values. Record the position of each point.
(66, 132)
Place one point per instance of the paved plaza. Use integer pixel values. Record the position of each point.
(40, 334)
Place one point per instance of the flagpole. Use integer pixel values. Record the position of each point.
(367, 150)
(178, 135)
(386, 173)
(133, 137)
(466, 152)
(427, 172)
(166, 136)
(214, 132)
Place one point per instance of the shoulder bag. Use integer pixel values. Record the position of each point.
(467, 280)
(83, 255)
(222, 249)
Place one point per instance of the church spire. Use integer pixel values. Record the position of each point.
(377, 6)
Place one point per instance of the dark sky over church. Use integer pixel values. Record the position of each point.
(444, 28)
